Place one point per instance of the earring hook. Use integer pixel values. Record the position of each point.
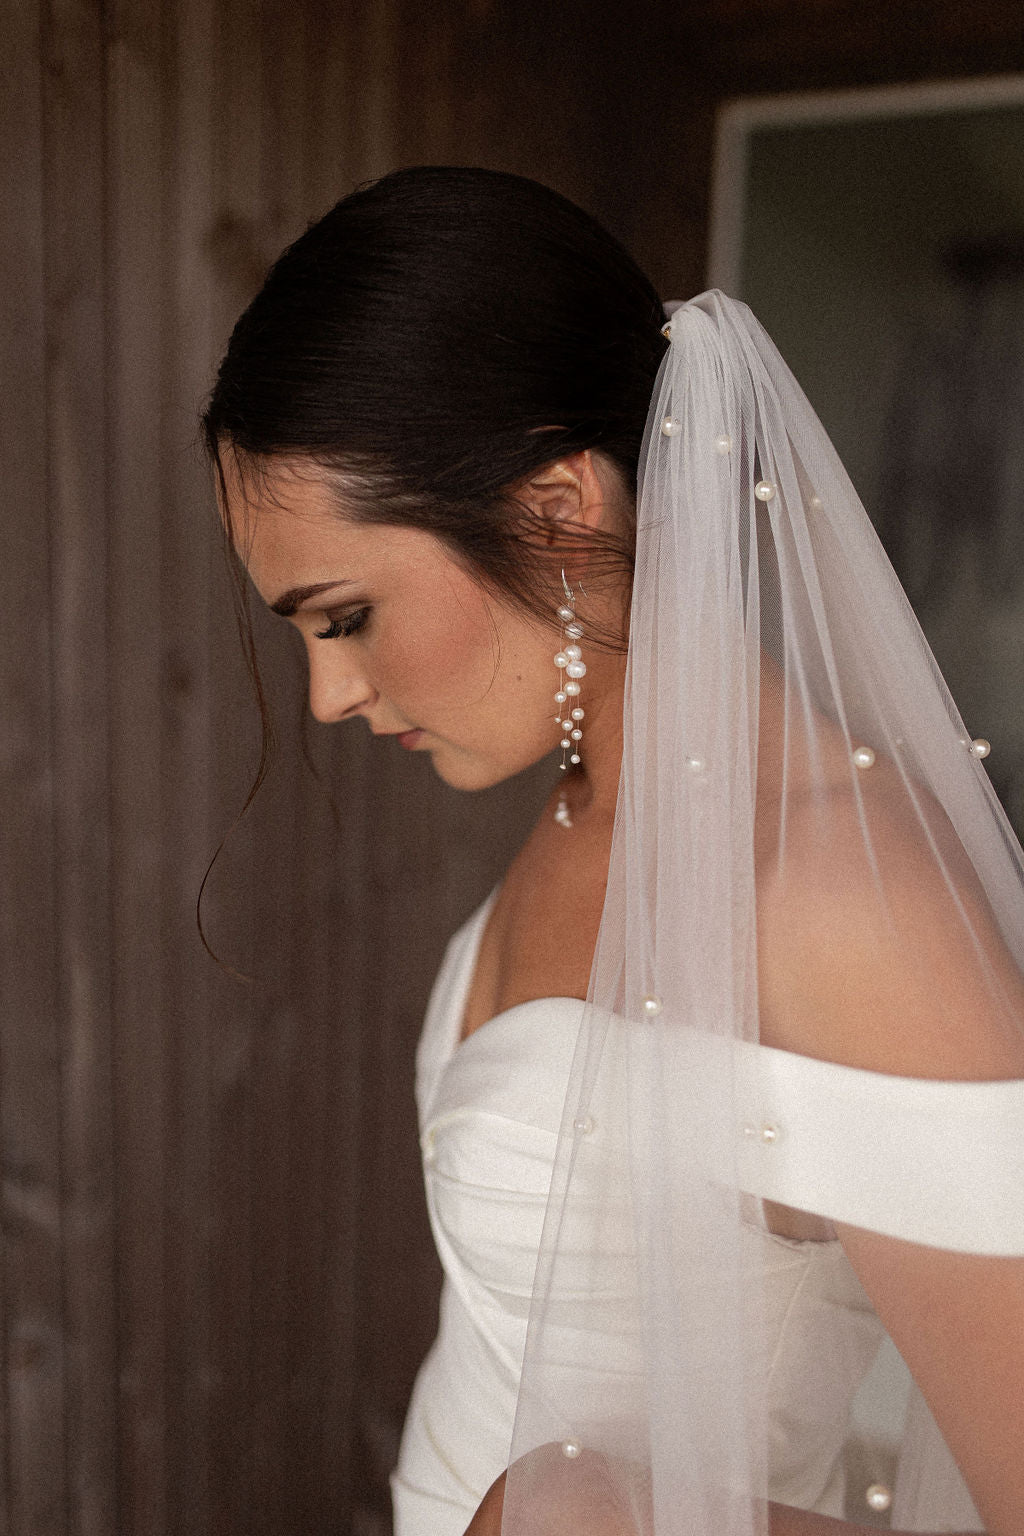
(568, 589)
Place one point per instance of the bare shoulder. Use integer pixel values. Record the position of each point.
(876, 945)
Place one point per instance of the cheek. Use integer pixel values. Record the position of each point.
(446, 660)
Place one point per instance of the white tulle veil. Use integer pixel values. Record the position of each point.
(795, 776)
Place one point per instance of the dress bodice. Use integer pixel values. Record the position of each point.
(490, 1110)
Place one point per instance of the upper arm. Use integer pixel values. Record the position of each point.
(896, 965)
(885, 956)
(958, 1321)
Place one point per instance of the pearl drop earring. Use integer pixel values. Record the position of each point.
(571, 668)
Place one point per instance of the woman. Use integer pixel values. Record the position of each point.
(725, 1081)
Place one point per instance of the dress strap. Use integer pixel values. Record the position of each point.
(933, 1162)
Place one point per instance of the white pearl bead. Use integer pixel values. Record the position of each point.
(723, 445)
(576, 735)
(695, 764)
(769, 1133)
(561, 696)
(576, 669)
(574, 653)
(574, 631)
(566, 742)
(561, 660)
(878, 1497)
(571, 1449)
(670, 427)
(583, 1124)
(572, 690)
(816, 504)
(980, 747)
(651, 1005)
(566, 614)
(764, 490)
(864, 757)
(578, 713)
(575, 758)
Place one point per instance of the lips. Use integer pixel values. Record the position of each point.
(410, 739)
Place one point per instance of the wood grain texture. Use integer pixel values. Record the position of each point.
(216, 1278)
(34, 1460)
(186, 701)
(134, 198)
(76, 264)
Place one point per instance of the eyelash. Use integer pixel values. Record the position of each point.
(340, 629)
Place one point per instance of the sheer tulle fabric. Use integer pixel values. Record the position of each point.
(788, 739)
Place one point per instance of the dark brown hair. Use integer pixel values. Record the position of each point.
(434, 340)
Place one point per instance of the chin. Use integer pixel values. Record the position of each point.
(473, 773)
(470, 776)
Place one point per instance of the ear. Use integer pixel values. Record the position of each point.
(567, 491)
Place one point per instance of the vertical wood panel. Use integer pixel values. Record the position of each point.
(77, 283)
(135, 230)
(33, 1447)
(76, 293)
(375, 38)
(82, 627)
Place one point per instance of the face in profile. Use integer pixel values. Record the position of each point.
(396, 630)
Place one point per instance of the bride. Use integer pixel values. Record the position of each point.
(725, 1082)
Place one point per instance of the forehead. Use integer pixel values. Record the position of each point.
(287, 521)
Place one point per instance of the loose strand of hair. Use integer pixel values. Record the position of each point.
(268, 735)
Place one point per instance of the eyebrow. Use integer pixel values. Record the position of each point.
(289, 601)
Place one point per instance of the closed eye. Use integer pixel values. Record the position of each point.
(341, 628)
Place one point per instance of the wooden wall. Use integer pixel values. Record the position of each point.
(216, 1280)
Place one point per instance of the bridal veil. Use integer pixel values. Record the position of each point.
(805, 839)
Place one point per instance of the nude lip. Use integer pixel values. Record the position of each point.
(410, 739)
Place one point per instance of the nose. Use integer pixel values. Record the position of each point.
(337, 688)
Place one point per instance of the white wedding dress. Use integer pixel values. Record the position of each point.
(489, 1112)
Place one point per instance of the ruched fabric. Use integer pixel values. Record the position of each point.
(489, 1111)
